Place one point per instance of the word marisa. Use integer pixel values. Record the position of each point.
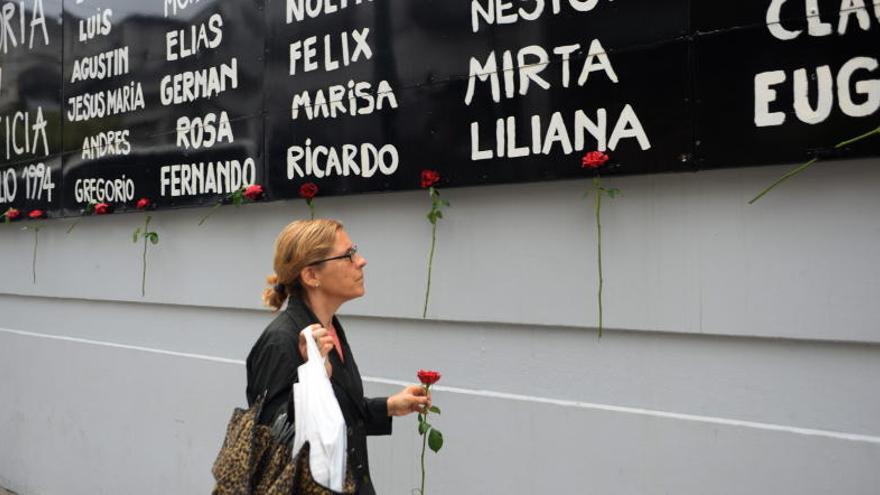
(356, 100)
(13, 10)
(220, 177)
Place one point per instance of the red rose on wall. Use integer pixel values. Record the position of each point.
(594, 159)
(429, 178)
(12, 214)
(143, 203)
(102, 209)
(428, 377)
(37, 214)
(254, 192)
(308, 190)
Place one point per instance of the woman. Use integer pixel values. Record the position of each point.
(317, 269)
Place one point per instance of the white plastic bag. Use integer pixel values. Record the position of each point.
(318, 419)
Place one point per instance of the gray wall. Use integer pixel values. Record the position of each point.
(741, 351)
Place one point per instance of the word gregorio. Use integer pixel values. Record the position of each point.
(103, 190)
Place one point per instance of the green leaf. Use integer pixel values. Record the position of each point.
(612, 192)
(435, 440)
(137, 232)
(435, 409)
(154, 237)
(423, 427)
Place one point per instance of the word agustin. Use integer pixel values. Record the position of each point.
(511, 74)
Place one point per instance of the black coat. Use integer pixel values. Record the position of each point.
(272, 367)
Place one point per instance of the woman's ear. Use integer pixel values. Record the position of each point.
(309, 277)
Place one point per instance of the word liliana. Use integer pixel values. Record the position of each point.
(351, 99)
(14, 15)
(300, 9)
(557, 133)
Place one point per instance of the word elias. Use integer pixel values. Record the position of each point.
(179, 45)
(504, 12)
(531, 61)
(7, 25)
(558, 134)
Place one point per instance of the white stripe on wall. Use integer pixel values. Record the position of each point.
(853, 437)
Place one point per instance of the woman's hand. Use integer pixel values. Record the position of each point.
(324, 341)
(409, 400)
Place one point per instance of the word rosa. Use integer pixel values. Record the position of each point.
(103, 190)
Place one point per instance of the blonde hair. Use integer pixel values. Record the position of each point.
(299, 244)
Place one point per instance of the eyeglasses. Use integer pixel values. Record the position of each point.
(348, 254)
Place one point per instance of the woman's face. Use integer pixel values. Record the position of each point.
(342, 279)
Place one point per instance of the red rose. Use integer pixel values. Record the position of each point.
(429, 178)
(308, 190)
(594, 159)
(143, 203)
(428, 377)
(102, 209)
(253, 192)
(12, 214)
(37, 214)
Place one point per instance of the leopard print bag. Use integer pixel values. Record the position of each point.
(255, 460)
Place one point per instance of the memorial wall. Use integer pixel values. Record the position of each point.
(184, 102)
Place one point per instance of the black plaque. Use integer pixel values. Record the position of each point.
(30, 106)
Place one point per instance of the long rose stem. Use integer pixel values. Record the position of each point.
(424, 443)
(430, 265)
(36, 241)
(598, 194)
(810, 163)
(209, 213)
(144, 274)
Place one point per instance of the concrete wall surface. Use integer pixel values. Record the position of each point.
(741, 353)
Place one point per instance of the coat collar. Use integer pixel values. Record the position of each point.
(345, 374)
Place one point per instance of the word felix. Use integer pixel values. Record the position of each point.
(304, 53)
